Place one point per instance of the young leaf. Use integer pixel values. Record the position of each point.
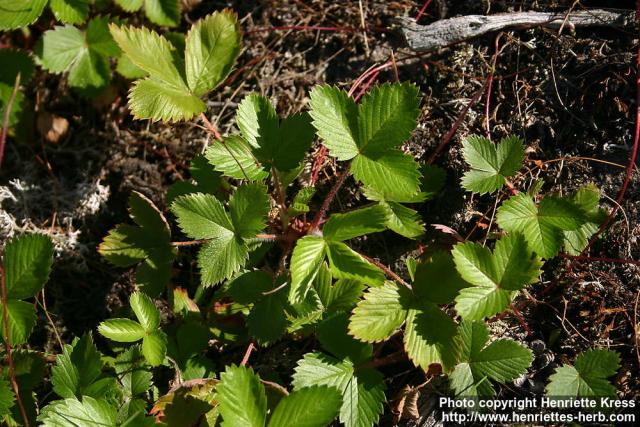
(393, 174)
(154, 347)
(588, 378)
(587, 199)
(163, 12)
(490, 163)
(348, 264)
(306, 261)
(314, 406)
(495, 276)
(77, 369)
(89, 412)
(353, 224)
(122, 330)
(212, 46)
(501, 361)
(249, 207)
(20, 14)
(148, 244)
(542, 226)
(379, 314)
(403, 220)
(70, 11)
(242, 399)
(234, 158)
(21, 317)
(83, 54)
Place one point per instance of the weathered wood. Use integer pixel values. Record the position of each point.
(447, 32)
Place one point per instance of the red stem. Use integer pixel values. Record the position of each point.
(423, 9)
(602, 259)
(12, 371)
(490, 85)
(327, 201)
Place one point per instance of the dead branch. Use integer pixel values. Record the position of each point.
(447, 32)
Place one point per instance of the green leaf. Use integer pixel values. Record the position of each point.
(212, 46)
(348, 264)
(313, 406)
(494, 276)
(163, 12)
(21, 318)
(149, 243)
(249, 206)
(301, 201)
(335, 339)
(130, 5)
(202, 216)
(542, 226)
(588, 378)
(153, 53)
(122, 330)
(266, 321)
(403, 220)
(437, 280)
(15, 62)
(134, 376)
(70, 11)
(154, 347)
(220, 258)
(86, 413)
(586, 199)
(393, 174)
(146, 312)
(20, 14)
(242, 399)
(353, 224)
(7, 398)
(233, 157)
(335, 116)
(27, 263)
(153, 99)
(431, 337)
(386, 117)
(77, 369)
(306, 261)
(490, 163)
(501, 361)
(296, 136)
(84, 55)
(379, 315)
(319, 369)
(342, 296)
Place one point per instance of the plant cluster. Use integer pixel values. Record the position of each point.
(274, 256)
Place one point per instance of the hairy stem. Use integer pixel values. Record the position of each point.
(327, 201)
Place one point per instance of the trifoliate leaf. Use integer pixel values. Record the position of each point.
(83, 54)
(362, 393)
(490, 163)
(588, 378)
(70, 11)
(542, 226)
(341, 296)
(122, 330)
(153, 99)
(501, 361)
(301, 201)
(149, 243)
(306, 261)
(348, 264)
(7, 398)
(266, 321)
(202, 216)
(249, 207)
(437, 280)
(234, 158)
(296, 136)
(334, 338)
(163, 12)
(212, 47)
(220, 258)
(431, 336)
(27, 262)
(135, 377)
(495, 276)
(314, 406)
(356, 223)
(386, 117)
(146, 312)
(335, 116)
(241, 398)
(393, 174)
(154, 347)
(587, 199)
(77, 369)
(127, 69)
(379, 314)
(20, 14)
(207, 180)
(403, 220)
